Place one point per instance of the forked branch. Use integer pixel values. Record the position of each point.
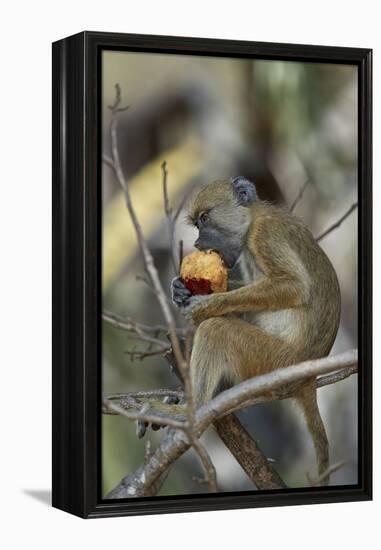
(275, 385)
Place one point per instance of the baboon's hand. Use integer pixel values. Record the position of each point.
(191, 306)
(180, 294)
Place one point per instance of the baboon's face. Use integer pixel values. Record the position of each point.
(221, 213)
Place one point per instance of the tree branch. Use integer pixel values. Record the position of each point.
(108, 161)
(143, 354)
(264, 388)
(171, 222)
(278, 384)
(149, 393)
(338, 223)
(150, 267)
(324, 475)
(127, 324)
(145, 416)
(299, 196)
(211, 477)
(247, 453)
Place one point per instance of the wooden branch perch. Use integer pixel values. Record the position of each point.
(275, 385)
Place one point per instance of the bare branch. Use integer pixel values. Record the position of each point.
(211, 478)
(335, 377)
(115, 107)
(276, 385)
(149, 393)
(171, 221)
(147, 256)
(338, 223)
(151, 340)
(150, 267)
(141, 332)
(326, 474)
(247, 453)
(144, 416)
(265, 388)
(299, 196)
(144, 481)
(142, 354)
(127, 324)
(271, 385)
(108, 161)
(181, 251)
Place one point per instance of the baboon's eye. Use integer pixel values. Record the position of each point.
(203, 217)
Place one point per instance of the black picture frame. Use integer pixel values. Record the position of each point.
(76, 273)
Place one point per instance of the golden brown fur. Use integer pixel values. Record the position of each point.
(286, 311)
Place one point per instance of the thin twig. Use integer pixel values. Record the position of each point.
(299, 196)
(171, 222)
(181, 251)
(211, 477)
(147, 256)
(108, 161)
(140, 354)
(338, 223)
(127, 324)
(167, 209)
(335, 377)
(115, 107)
(141, 332)
(325, 474)
(150, 339)
(148, 393)
(151, 269)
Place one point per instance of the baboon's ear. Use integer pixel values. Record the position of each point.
(244, 190)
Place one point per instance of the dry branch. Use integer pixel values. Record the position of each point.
(299, 196)
(273, 384)
(127, 324)
(144, 416)
(338, 223)
(143, 354)
(108, 161)
(326, 474)
(150, 267)
(171, 222)
(148, 393)
(267, 387)
(247, 453)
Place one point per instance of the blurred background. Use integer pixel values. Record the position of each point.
(279, 124)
